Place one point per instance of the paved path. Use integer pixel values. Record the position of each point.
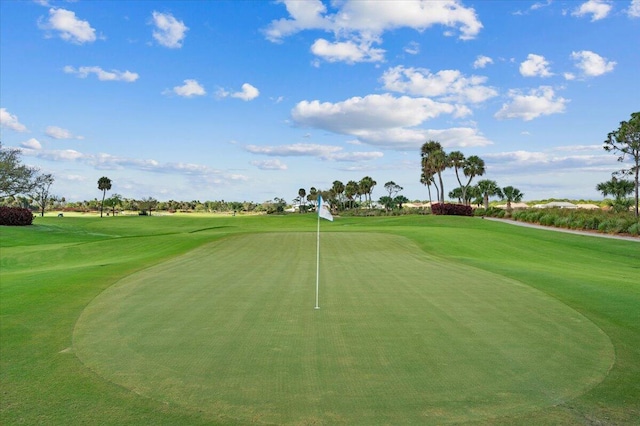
(568, 231)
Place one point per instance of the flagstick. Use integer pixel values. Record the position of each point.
(318, 263)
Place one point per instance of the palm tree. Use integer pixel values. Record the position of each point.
(457, 161)
(337, 190)
(474, 166)
(619, 188)
(104, 185)
(434, 162)
(351, 189)
(301, 193)
(511, 194)
(427, 180)
(489, 188)
(366, 186)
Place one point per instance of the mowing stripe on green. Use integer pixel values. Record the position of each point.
(401, 337)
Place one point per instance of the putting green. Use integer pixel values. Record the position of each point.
(402, 337)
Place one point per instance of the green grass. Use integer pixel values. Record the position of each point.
(178, 320)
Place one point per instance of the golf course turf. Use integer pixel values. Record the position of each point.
(165, 320)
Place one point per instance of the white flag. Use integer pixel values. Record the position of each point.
(323, 210)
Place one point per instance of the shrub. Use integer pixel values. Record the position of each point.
(452, 209)
(15, 216)
(547, 219)
(634, 229)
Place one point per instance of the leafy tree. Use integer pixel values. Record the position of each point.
(301, 193)
(313, 196)
(104, 185)
(387, 202)
(40, 192)
(620, 189)
(149, 204)
(626, 142)
(488, 188)
(115, 200)
(511, 194)
(15, 177)
(400, 200)
(392, 188)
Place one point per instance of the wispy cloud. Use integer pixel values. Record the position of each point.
(324, 152)
(113, 75)
(60, 133)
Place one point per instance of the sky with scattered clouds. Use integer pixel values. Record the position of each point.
(194, 100)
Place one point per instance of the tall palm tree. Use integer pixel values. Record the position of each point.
(489, 188)
(351, 189)
(457, 161)
(474, 166)
(511, 194)
(366, 186)
(434, 162)
(301, 193)
(104, 185)
(427, 180)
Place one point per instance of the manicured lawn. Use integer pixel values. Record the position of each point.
(168, 320)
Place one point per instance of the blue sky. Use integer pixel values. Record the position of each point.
(193, 100)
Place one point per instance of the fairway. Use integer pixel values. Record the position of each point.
(402, 336)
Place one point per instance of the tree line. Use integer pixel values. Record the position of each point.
(25, 186)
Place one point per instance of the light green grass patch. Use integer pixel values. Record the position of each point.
(401, 337)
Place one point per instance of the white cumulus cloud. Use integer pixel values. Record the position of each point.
(169, 32)
(634, 9)
(598, 9)
(591, 64)
(535, 66)
(482, 61)
(358, 24)
(189, 89)
(69, 27)
(449, 85)
(247, 93)
(113, 75)
(347, 51)
(538, 102)
(11, 121)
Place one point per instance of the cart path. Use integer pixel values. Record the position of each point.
(568, 231)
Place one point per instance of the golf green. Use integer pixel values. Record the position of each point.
(400, 337)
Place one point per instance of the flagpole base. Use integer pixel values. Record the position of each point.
(317, 307)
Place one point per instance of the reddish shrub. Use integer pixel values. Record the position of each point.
(452, 209)
(15, 216)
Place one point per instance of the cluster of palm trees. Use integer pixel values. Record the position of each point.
(341, 196)
(435, 161)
